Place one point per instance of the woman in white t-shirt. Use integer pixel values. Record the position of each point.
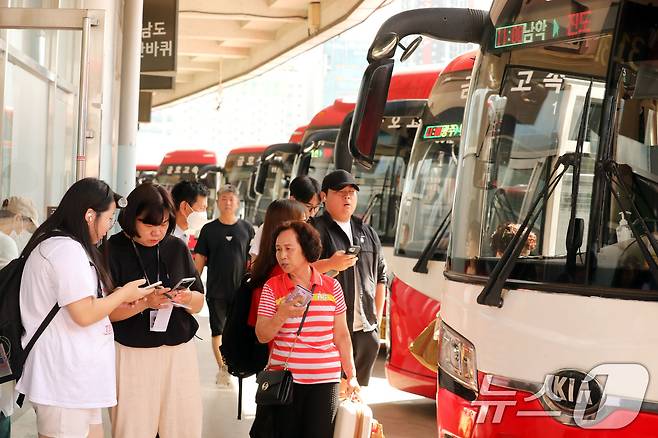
(69, 374)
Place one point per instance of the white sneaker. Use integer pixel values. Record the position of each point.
(223, 377)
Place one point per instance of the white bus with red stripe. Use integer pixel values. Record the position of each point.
(548, 312)
(422, 234)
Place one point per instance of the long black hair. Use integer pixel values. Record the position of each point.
(69, 217)
(279, 211)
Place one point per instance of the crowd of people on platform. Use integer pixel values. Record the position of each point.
(123, 338)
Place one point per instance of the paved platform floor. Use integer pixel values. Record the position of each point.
(403, 415)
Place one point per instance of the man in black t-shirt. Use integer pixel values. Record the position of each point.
(223, 246)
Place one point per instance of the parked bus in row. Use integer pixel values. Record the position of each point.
(239, 170)
(191, 165)
(423, 222)
(548, 310)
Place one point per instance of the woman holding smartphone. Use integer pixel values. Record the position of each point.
(323, 347)
(69, 374)
(157, 371)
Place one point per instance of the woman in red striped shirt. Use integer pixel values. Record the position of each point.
(323, 348)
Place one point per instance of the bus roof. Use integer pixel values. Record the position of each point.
(147, 167)
(462, 62)
(190, 156)
(332, 116)
(405, 85)
(412, 85)
(297, 136)
(247, 150)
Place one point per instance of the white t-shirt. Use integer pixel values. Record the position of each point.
(70, 366)
(347, 228)
(180, 233)
(254, 249)
(8, 250)
(358, 321)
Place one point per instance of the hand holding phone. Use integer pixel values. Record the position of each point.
(300, 292)
(182, 285)
(353, 250)
(152, 285)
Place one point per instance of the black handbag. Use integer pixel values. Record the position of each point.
(275, 386)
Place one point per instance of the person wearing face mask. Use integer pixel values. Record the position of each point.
(18, 219)
(191, 202)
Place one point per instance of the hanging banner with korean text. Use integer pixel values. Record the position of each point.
(159, 35)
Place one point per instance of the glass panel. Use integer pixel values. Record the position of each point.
(39, 111)
(430, 181)
(381, 185)
(527, 122)
(620, 259)
(37, 44)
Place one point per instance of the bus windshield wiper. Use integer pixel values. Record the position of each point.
(492, 294)
(430, 248)
(619, 175)
(576, 225)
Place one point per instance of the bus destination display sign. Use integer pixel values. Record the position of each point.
(571, 26)
(443, 131)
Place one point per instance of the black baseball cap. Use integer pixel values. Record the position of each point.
(337, 180)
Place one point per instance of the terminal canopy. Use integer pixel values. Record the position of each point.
(229, 41)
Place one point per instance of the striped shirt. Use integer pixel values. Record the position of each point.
(315, 358)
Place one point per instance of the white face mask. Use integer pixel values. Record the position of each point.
(196, 220)
(21, 239)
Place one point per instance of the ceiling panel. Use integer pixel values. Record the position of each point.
(246, 38)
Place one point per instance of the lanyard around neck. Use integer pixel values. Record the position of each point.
(141, 262)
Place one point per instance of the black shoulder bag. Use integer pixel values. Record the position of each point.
(275, 386)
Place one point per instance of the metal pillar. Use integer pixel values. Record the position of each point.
(130, 64)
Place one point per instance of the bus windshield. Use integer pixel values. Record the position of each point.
(238, 169)
(429, 185)
(525, 111)
(322, 158)
(381, 185)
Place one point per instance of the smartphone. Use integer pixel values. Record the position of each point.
(152, 285)
(184, 283)
(300, 291)
(353, 250)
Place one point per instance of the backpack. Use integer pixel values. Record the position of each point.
(12, 353)
(243, 355)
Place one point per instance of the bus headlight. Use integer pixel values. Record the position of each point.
(457, 357)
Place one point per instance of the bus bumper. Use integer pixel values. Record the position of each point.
(514, 416)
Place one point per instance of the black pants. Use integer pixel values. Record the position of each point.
(311, 414)
(366, 347)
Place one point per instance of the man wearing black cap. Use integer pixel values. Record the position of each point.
(352, 249)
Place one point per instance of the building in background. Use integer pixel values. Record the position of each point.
(265, 110)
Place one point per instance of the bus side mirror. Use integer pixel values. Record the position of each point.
(342, 158)
(369, 111)
(261, 177)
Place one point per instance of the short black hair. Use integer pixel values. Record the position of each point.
(304, 187)
(307, 236)
(152, 204)
(188, 191)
